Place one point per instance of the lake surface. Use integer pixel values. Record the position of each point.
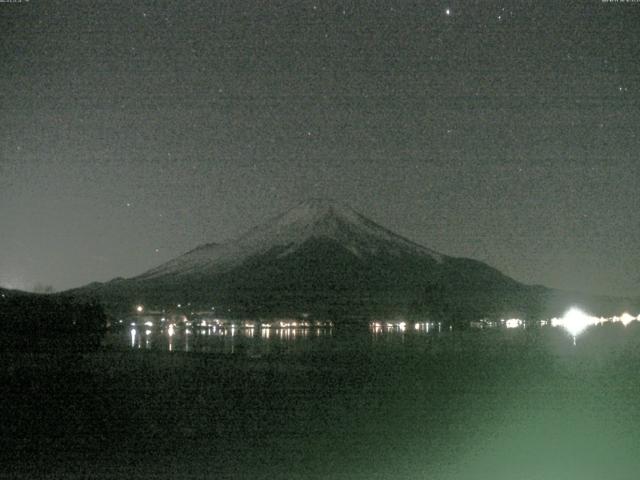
(204, 334)
(257, 340)
(383, 404)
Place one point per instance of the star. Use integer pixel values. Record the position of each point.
(447, 12)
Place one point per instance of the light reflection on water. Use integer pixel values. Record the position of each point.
(216, 339)
(255, 338)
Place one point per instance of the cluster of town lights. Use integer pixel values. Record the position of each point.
(148, 320)
(574, 321)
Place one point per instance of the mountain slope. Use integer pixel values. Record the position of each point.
(313, 219)
(325, 259)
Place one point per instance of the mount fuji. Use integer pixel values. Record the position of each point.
(323, 259)
(313, 220)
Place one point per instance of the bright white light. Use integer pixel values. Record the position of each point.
(513, 323)
(171, 330)
(626, 319)
(133, 337)
(148, 323)
(139, 309)
(447, 11)
(575, 321)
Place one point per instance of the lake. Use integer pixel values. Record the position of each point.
(255, 339)
(308, 403)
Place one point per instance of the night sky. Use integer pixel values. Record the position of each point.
(508, 132)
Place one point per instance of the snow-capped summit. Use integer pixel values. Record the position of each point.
(315, 209)
(324, 259)
(313, 219)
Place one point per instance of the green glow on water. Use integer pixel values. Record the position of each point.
(490, 404)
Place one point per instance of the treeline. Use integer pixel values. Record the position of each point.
(45, 322)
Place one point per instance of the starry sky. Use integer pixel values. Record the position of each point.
(505, 131)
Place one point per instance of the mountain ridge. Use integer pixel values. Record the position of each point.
(323, 259)
(313, 218)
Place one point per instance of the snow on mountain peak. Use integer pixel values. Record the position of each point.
(314, 218)
(314, 210)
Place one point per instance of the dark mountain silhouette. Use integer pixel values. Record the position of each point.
(31, 321)
(323, 259)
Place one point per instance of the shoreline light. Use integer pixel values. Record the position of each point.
(513, 323)
(626, 319)
(575, 321)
